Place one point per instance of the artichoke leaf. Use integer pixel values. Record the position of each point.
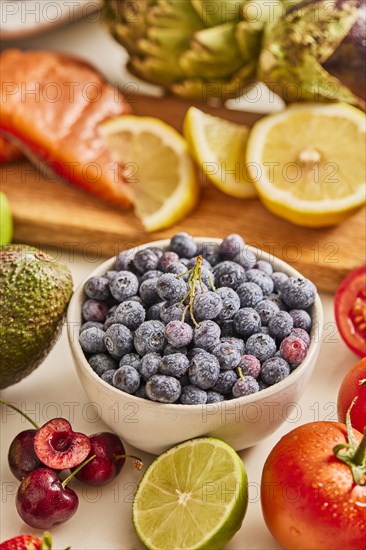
(295, 46)
(249, 39)
(163, 72)
(173, 14)
(214, 53)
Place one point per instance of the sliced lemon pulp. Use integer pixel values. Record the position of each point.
(157, 164)
(192, 496)
(219, 149)
(309, 163)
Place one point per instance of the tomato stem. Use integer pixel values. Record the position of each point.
(195, 275)
(350, 454)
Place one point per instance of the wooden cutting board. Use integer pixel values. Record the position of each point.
(53, 213)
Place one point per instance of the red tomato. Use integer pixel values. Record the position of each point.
(354, 384)
(350, 310)
(310, 500)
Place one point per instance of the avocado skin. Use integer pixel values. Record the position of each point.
(35, 290)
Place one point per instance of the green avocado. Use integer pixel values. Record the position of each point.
(35, 290)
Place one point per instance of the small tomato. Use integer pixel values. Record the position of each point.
(310, 497)
(350, 310)
(353, 385)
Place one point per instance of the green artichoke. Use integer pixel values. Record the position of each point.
(203, 49)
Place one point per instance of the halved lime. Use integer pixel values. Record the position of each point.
(194, 495)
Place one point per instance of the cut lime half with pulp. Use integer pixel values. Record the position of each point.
(192, 496)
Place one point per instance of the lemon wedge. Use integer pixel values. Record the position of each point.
(308, 163)
(157, 164)
(218, 147)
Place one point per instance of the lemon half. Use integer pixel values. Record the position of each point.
(308, 163)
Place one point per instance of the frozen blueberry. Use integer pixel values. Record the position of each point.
(249, 294)
(210, 252)
(178, 269)
(278, 278)
(165, 389)
(225, 382)
(169, 349)
(229, 274)
(118, 340)
(111, 274)
(178, 333)
(262, 385)
(152, 274)
(131, 359)
(92, 340)
(167, 259)
(298, 293)
(183, 245)
(261, 279)
(145, 260)
(280, 325)
(150, 337)
(101, 362)
(250, 365)
(236, 342)
(206, 335)
(206, 305)
(214, 397)
(127, 379)
(245, 386)
(247, 321)
(90, 324)
(227, 354)
(204, 370)
(148, 292)
(109, 322)
(246, 258)
(124, 285)
(130, 313)
(149, 366)
(193, 352)
(301, 319)
(158, 251)
(230, 303)
(112, 311)
(301, 333)
(171, 312)
(97, 288)
(123, 260)
(94, 310)
(204, 263)
(175, 364)
(171, 288)
(266, 309)
(191, 395)
(274, 370)
(231, 246)
(141, 391)
(293, 349)
(107, 376)
(153, 312)
(262, 346)
(264, 266)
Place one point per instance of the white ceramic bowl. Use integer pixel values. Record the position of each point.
(154, 427)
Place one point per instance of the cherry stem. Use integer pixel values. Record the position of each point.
(3, 402)
(351, 454)
(74, 472)
(241, 375)
(137, 462)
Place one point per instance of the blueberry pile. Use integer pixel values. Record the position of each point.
(195, 324)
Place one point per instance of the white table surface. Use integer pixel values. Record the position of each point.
(103, 520)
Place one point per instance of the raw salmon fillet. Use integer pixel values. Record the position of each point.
(51, 105)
